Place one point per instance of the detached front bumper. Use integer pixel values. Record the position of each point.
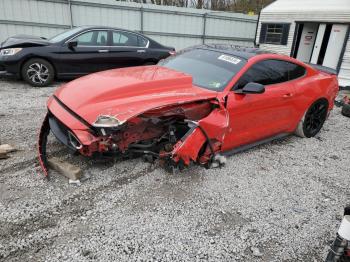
(42, 141)
(62, 133)
(57, 121)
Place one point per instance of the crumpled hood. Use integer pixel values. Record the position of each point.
(128, 92)
(24, 41)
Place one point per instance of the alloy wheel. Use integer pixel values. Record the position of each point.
(315, 117)
(38, 73)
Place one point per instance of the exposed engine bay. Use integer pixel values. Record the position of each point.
(177, 135)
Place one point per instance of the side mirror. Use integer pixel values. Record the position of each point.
(252, 88)
(72, 44)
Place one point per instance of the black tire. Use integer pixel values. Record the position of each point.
(38, 72)
(345, 111)
(313, 119)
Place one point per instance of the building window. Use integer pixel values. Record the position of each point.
(276, 34)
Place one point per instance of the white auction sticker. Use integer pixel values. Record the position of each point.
(230, 59)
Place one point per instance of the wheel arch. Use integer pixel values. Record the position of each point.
(307, 106)
(323, 98)
(311, 102)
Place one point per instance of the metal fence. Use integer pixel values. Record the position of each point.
(173, 26)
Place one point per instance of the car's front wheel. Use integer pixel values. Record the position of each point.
(313, 119)
(38, 72)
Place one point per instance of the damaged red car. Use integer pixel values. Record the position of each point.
(196, 107)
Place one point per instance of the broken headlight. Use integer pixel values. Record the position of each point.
(106, 121)
(10, 51)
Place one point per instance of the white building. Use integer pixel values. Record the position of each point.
(314, 31)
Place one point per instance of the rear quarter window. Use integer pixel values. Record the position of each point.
(296, 71)
(121, 38)
(142, 42)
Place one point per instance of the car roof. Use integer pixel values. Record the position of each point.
(93, 27)
(87, 27)
(235, 50)
(96, 27)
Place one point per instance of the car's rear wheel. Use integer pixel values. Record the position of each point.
(313, 119)
(38, 72)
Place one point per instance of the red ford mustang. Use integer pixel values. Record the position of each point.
(196, 107)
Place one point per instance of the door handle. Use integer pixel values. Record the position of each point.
(287, 95)
(103, 51)
(141, 51)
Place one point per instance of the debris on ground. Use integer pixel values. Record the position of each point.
(5, 149)
(74, 182)
(3, 154)
(343, 101)
(67, 169)
(256, 252)
(345, 111)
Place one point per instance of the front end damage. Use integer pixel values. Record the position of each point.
(177, 135)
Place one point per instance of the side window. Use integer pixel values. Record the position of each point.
(266, 72)
(269, 72)
(85, 39)
(101, 38)
(92, 38)
(124, 39)
(142, 42)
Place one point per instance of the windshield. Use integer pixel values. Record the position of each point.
(209, 69)
(64, 35)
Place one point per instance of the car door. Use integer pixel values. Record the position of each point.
(127, 49)
(254, 117)
(89, 55)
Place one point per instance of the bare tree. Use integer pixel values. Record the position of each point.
(240, 6)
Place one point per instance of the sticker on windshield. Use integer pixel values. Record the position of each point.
(215, 84)
(230, 59)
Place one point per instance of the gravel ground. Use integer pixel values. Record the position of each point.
(278, 202)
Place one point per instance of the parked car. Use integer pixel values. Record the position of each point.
(77, 52)
(195, 107)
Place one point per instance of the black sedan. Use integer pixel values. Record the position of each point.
(76, 52)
